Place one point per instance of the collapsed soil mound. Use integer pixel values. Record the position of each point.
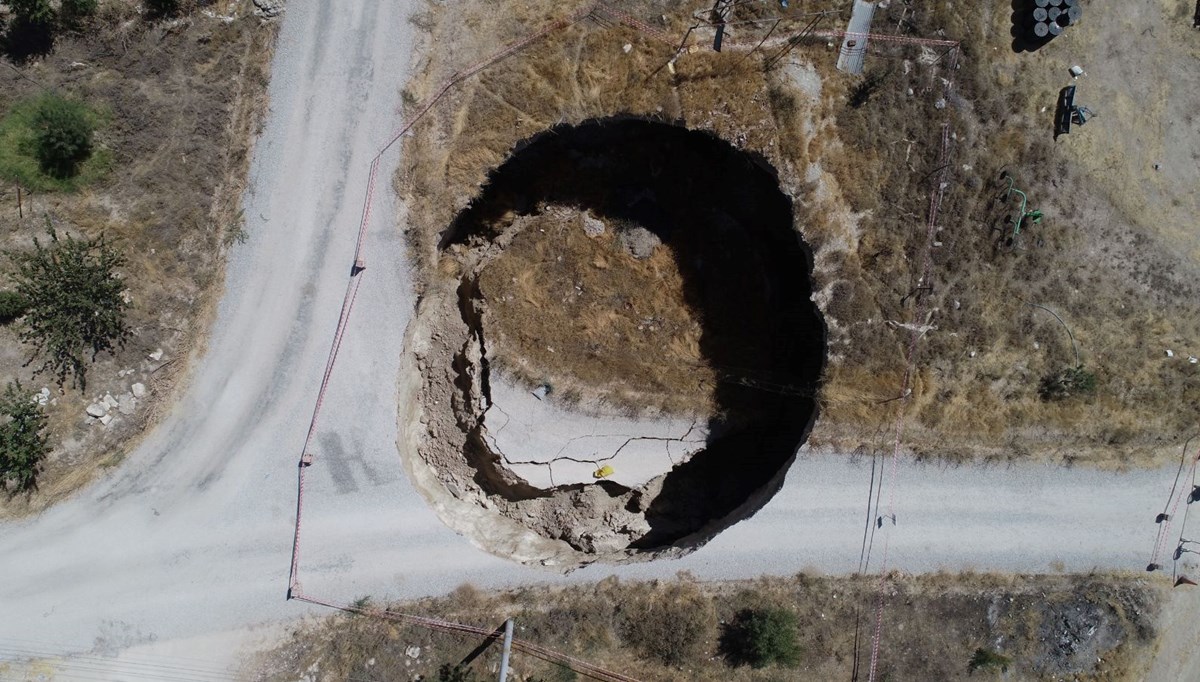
(645, 266)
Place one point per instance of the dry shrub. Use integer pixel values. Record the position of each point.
(670, 625)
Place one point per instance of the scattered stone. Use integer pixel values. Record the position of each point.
(106, 419)
(97, 410)
(1193, 359)
(628, 48)
(127, 403)
(639, 242)
(110, 401)
(592, 227)
(1170, 353)
(156, 355)
(43, 396)
(413, 652)
(138, 390)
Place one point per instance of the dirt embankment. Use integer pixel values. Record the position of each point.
(1035, 627)
(182, 100)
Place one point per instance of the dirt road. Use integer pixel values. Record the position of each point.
(191, 535)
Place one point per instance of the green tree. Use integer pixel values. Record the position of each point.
(75, 302)
(23, 442)
(63, 132)
(38, 12)
(761, 637)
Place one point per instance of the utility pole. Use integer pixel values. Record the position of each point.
(508, 627)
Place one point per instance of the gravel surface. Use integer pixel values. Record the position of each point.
(191, 534)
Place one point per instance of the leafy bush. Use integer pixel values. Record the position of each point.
(1070, 381)
(27, 124)
(669, 627)
(986, 659)
(64, 135)
(12, 306)
(23, 443)
(75, 302)
(760, 637)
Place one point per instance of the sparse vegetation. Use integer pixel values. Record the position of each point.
(23, 441)
(75, 302)
(1053, 626)
(178, 105)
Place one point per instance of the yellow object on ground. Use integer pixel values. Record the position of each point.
(603, 472)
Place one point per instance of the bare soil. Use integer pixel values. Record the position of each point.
(1048, 626)
(183, 98)
(561, 298)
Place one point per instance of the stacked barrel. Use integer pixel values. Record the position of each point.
(1050, 17)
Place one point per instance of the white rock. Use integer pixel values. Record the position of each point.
(138, 390)
(1170, 353)
(628, 48)
(1193, 359)
(106, 419)
(156, 355)
(127, 404)
(110, 401)
(97, 410)
(413, 652)
(592, 227)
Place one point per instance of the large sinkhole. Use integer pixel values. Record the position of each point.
(639, 267)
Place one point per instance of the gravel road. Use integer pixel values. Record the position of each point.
(190, 536)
